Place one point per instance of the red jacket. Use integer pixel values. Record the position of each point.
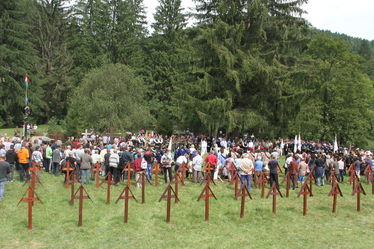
(138, 164)
(211, 159)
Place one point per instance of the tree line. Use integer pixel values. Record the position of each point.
(248, 66)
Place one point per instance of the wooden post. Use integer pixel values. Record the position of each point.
(287, 179)
(232, 170)
(169, 196)
(182, 169)
(243, 192)
(208, 176)
(332, 177)
(34, 178)
(73, 181)
(97, 171)
(128, 169)
(109, 181)
(30, 199)
(335, 190)
(274, 191)
(68, 169)
(236, 179)
(206, 193)
(358, 190)
(311, 179)
(368, 171)
(263, 180)
(305, 191)
(177, 179)
(142, 180)
(155, 170)
(126, 197)
(81, 196)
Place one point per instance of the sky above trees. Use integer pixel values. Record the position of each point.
(354, 18)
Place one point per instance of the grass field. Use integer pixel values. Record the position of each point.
(55, 222)
(10, 131)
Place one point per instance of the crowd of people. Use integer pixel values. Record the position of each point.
(248, 155)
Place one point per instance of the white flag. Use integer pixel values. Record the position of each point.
(295, 145)
(335, 145)
(299, 144)
(170, 143)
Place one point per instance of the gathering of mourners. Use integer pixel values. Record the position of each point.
(221, 156)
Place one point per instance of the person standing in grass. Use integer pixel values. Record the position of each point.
(85, 167)
(197, 163)
(23, 159)
(303, 168)
(56, 159)
(11, 158)
(4, 171)
(293, 169)
(245, 171)
(273, 168)
(166, 161)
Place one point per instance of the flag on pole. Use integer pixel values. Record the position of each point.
(299, 144)
(27, 81)
(335, 145)
(170, 143)
(295, 145)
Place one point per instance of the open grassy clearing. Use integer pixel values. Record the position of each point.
(55, 222)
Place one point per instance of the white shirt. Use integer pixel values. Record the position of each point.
(181, 160)
(197, 162)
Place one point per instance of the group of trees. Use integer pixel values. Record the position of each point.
(245, 66)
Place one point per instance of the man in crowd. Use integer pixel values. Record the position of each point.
(4, 171)
(23, 160)
(11, 158)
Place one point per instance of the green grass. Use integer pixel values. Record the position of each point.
(55, 221)
(10, 131)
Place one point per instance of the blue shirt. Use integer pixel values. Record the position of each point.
(259, 165)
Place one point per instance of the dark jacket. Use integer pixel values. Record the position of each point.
(4, 170)
(11, 156)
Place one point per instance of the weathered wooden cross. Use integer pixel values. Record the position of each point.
(169, 189)
(30, 199)
(287, 179)
(208, 175)
(182, 170)
(97, 169)
(305, 191)
(155, 170)
(243, 192)
(335, 190)
(262, 180)
(126, 197)
(274, 191)
(81, 196)
(358, 190)
(236, 179)
(206, 193)
(68, 169)
(128, 169)
(142, 181)
(109, 181)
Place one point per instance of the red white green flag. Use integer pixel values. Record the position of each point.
(27, 81)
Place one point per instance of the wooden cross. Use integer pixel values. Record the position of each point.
(353, 179)
(126, 197)
(128, 169)
(287, 179)
(177, 179)
(368, 172)
(34, 178)
(182, 169)
(236, 179)
(351, 168)
(206, 193)
(208, 176)
(263, 180)
(81, 189)
(332, 177)
(358, 190)
(142, 181)
(169, 196)
(109, 181)
(232, 169)
(274, 191)
(335, 190)
(68, 169)
(30, 199)
(243, 192)
(305, 191)
(156, 169)
(371, 179)
(72, 181)
(311, 179)
(97, 169)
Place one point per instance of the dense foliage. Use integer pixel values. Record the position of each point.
(246, 66)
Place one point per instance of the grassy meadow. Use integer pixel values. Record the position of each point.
(55, 221)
